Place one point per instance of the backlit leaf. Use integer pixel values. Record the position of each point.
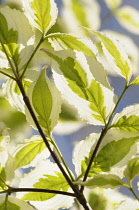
(132, 169)
(128, 18)
(127, 119)
(135, 81)
(46, 101)
(115, 55)
(57, 182)
(13, 204)
(113, 4)
(30, 152)
(81, 85)
(41, 14)
(61, 41)
(44, 171)
(17, 38)
(104, 181)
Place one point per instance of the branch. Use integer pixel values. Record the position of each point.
(13, 189)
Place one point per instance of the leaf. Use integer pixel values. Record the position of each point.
(127, 119)
(41, 14)
(127, 17)
(113, 4)
(112, 156)
(135, 81)
(81, 86)
(75, 13)
(104, 181)
(46, 101)
(30, 152)
(61, 41)
(37, 175)
(13, 95)
(13, 204)
(17, 38)
(57, 182)
(115, 55)
(112, 153)
(96, 201)
(9, 38)
(132, 169)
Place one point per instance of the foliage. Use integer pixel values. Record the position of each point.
(76, 91)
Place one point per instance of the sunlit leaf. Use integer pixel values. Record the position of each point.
(77, 78)
(127, 119)
(61, 41)
(115, 54)
(46, 101)
(40, 175)
(17, 38)
(112, 156)
(41, 14)
(80, 13)
(128, 18)
(113, 4)
(135, 81)
(104, 181)
(13, 204)
(57, 182)
(30, 152)
(132, 169)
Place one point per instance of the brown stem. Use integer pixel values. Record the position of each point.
(80, 197)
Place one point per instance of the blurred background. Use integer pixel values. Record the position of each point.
(102, 15)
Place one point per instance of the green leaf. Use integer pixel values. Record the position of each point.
(115, 55)
(127, 17)
(132, 169)
(97, 202)
(104, 181)
(13, 204)
(127, 119)
(46, 102)
(9, 38)
(27, 151)
(66, 41)
(57, 182)
(48, 176)
(109, 155)
(128, 123)
(17, 38)
(9, 206)
(135, 81)
(75, 78)
(2, 179)
(113, 4)
(41, 14)
(80, 13)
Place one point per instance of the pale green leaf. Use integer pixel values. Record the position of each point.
(57, 182)
(61, 41)
(128, 203)
(46, 101)
(128, 18)
(30, 152)
(80, 13)
(17, 38)
(112, 155)
(135, 81)
(127, 119)
(132, 169)
(13, 95)
(37, 176)
(115, 54)
(74, 77)
(104, 181)
(41, 14)
(114, 4)
(98, 202)
(13, 204)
